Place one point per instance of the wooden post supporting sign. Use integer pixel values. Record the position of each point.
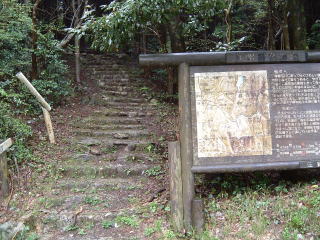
(186, 145)
(176, 186)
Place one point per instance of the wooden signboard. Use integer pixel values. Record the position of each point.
(255, 116)
(240, 111)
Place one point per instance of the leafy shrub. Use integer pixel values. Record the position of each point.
(15, 56)
(52, 83)
(16, 129)
(314, 36)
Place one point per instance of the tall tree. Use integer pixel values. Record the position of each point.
(34, 37)
(271, 24)
(297, 24)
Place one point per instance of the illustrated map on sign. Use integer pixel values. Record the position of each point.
(233, 114)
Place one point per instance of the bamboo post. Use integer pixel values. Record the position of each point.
(186, 144)
(176, 200)
(4, 183)
(44, 106)
(34, 91)
(47, 120)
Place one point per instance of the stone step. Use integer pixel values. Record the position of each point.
(117, 134)
(105, 84)
(117, 93)
(99, 184)
(104, 169)
(131, 108)
(96, 201)
(112, 120)
(113, 78)
(118, 126)
(119, 113)
(105, 67)
(107, 96)
(117, 88)
(105, 80)
(58, 223)
(137, 144)
(111, 154)
(122, 105)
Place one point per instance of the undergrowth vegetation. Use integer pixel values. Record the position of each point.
(15, 56)
(278, 205)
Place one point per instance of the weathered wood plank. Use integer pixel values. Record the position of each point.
(4, 182)
(186, 145)
(34, 91)
(5, 145)
(175, 186)
(224, 58)
(49, 127)
(197, 215)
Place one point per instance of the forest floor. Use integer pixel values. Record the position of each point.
(79, 189)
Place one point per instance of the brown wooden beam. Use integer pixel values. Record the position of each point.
(186, 145)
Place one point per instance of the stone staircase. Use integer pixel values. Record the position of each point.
(104, 188)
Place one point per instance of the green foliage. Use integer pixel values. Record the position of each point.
(154, 171)
(131, 221)
(15, 25)
(26, 234)
(92, 200)
(15, 128)
(52, 82)
(314, 36)
(125, 19)
(107, 224)
(15, 56)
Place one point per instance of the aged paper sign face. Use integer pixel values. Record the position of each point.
(233, 114)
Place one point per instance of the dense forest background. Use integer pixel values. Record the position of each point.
(35, 35)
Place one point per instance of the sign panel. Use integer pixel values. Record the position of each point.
(255, 113)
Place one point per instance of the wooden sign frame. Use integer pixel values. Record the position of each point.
(186, 209)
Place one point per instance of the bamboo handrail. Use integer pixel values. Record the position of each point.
(44, 105)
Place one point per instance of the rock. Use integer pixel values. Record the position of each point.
(300, 236)
(10, 229)
(121, 135)
(132, 114)
(101, 84)
(154, 101)
(130, 148)
(95, 151)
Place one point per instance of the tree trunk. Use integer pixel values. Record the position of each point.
(271, 41)
(34, 39)
(229, 22)
(176, 36)
(76, 12)
(144, 43)
(297, 24)
(285, 32)
(77, 57)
